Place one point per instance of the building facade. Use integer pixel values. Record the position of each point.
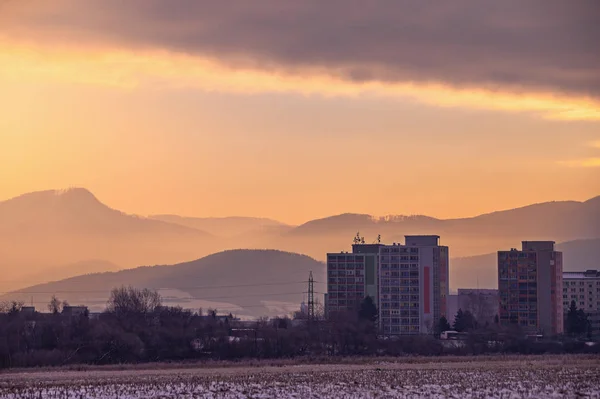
(413, 285)
(351, 277)
(530, 287)
(584, 289)
(451, 307)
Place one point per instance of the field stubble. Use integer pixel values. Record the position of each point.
(539, 377)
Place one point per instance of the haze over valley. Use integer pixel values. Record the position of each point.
(51, 236)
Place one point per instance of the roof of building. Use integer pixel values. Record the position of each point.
(422, 235)
(480, 291)
(581, 275)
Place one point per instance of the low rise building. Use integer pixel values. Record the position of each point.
(584, 289)
(75, 311)
(28, 310)
(482, 303)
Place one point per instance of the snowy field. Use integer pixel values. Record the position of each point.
(555, 377)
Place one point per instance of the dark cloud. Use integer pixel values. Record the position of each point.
(520, 45)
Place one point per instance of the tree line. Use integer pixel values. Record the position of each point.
(136, 327)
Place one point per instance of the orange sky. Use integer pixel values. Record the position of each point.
(158, 131)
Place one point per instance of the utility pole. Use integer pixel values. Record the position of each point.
(311, 297)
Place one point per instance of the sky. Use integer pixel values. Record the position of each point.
(300, 110)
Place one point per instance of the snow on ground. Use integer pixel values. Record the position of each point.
(175, 297)
(438, 379)
(281, 308)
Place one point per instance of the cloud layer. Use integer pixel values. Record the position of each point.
(535, 46)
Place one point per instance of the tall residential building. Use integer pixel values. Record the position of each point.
(413, 285)
(584, 289)
(351, 277)
(530, 287)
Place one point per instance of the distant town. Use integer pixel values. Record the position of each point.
(409, 284)
(382, 299)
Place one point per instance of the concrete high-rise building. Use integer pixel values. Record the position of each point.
(584, 289)
(413, 285)
(530, 287)
(351, 277)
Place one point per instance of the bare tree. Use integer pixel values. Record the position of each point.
(11, 307)
(481, 305)
(319, 310)
(55, 306)
(129, 301)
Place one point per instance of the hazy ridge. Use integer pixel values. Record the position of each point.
(244, 282)
(51, 235)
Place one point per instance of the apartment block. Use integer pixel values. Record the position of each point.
(413, 285)
(530, 284)
(584, 289)
(351, 277)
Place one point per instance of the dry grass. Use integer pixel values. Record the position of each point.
(324, 360)
(463, 377)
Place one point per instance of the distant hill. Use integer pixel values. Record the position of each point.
(62, 272)
(47, 228)
(227, 226)
(41, 230)
(557, 221)
(245, 282)
(481, 270)
(349, 222)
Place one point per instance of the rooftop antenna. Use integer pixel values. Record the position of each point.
(378, 240)
(357, 239)
(311, 297)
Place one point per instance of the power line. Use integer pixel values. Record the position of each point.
(230, 308)
(183, 299)
(236, 296)
(157, 289)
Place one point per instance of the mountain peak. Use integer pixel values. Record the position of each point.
(76, 194)
(595, 200)
(72, 193)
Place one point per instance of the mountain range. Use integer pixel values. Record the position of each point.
(228, 227)
(44, 231)
(51, 235)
